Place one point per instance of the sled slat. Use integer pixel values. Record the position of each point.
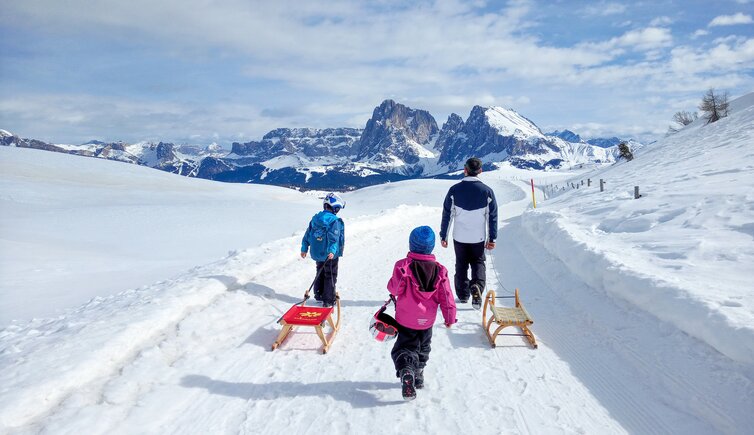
(504, 317)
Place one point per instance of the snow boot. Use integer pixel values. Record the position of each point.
(408, 389)
(419, 379)
(476, 297)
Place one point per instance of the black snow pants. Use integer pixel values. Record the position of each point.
(469, 254)
(411, 349)
(324, 286)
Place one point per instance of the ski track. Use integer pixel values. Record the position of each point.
(212, 371)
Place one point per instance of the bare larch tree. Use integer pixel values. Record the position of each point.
(714, 105)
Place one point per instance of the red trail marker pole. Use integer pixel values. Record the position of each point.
(533, 199)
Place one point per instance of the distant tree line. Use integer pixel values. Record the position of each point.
(714, 106)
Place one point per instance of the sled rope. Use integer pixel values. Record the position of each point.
(497, 277)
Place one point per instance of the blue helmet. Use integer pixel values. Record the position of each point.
(335, 202)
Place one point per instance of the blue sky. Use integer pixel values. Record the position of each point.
(198, 71)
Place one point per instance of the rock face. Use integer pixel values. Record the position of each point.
(453, 125)
(396, 135)
(566, 135)
(9, 139)
(210, 167)
(495, 133)
(307, 142)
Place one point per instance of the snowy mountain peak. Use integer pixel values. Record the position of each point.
(509, 123)
(212, 148)
(5, 133)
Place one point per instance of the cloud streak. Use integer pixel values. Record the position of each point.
(730, 20)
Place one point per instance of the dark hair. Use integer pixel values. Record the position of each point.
(473, 166)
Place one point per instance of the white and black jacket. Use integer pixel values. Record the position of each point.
(472, 208)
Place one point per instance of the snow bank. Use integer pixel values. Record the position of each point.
(684, 251)
(658, 295)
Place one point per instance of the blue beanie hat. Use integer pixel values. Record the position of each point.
(422, 240)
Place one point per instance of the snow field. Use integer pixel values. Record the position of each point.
(74, 228)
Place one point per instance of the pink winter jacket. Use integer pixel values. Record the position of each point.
(416, 309)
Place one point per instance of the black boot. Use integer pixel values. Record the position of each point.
(408, 389)
(419, 379)
(476, 296)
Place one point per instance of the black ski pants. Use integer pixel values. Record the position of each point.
(324, 286)
(411, 349)
(469, 255)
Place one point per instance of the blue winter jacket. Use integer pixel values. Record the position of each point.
(325, 235)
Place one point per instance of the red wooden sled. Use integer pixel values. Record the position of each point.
(317, 317)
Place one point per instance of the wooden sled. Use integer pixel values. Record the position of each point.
(504, 317)
(301, 315)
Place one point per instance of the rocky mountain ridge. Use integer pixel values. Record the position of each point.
(397, 143)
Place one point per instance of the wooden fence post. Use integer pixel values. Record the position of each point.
(602, 185)
(636, 192)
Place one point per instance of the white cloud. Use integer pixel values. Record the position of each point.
(646, 39)
(661, 21)
(730, 20)
(720, 58)
(605, 9)
(699, 33)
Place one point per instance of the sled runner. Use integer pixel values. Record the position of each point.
(503, 317)
(301, 315)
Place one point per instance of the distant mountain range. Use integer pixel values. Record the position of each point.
(570, 136)
(397, 143)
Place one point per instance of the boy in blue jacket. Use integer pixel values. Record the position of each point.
(325, 237)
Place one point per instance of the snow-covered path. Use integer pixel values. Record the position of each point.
(208, 368)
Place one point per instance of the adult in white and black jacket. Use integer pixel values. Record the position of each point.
(470, 205)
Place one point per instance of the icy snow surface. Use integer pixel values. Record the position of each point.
(608, 280)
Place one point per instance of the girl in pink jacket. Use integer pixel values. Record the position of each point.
(420, 284)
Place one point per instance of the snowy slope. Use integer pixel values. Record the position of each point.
(190, 353)
(685, 250)
(76, 228)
